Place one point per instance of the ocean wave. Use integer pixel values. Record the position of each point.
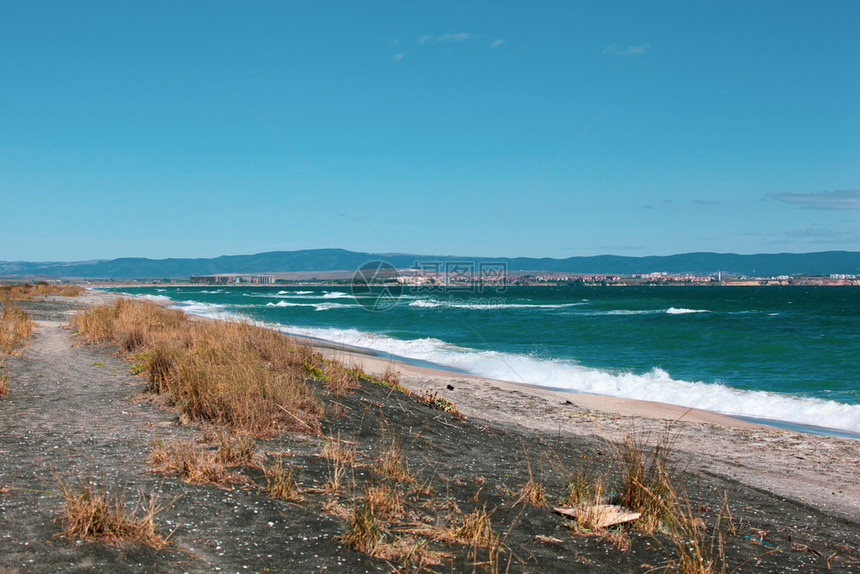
(336, 295)
(150, 297)
(211, 310)
(317, 306)
(483, 305)
(625, 312)
(654, 385)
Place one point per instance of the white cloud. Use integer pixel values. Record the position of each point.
(840, 199)
(628, 51)
(446, 38)
(398, 57)
(497, 43)
(456, 37)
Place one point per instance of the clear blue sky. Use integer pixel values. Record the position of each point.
(171, 129)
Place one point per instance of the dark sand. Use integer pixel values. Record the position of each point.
(69, 416)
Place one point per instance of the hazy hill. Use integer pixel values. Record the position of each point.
(821, 263)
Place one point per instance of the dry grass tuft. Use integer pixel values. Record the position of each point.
(696, 551)
(364, 531)
(532, 492)
(336, 450)
(475, 529)
(391, 462)
(191, 462)
(581, 486)
(238, 375)
(411, 553)
(93, 512)
(237, 450)
(386, 499)
(15, 327)
(645, 484)
(338, 379)
(280, 482)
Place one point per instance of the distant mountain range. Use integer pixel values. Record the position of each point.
(822, 263)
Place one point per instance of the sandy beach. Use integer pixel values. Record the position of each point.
(76, 410)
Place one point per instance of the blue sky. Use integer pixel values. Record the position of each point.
(196, 129)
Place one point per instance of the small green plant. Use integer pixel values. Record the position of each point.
(98, 364)
(313, 371)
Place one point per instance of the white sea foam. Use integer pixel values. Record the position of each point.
(669, 311)
(483, 304)
(328, 306)
(627, 312)
(317, 306)
(336, 295)
(151, 297)
(654, 385)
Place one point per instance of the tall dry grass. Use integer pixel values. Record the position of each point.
(26, 291)
(645, 485)
(15, 327)
(238, 375)
(4, 378)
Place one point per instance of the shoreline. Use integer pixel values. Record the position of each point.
(607, 404)
(376, 363)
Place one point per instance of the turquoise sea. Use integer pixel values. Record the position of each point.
(787, 354)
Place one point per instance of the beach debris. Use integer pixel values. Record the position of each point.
(760, 541)
(436, 402)
(450, 387)
(548, 539)
(600, 515)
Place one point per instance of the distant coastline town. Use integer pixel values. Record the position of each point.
(415, 277)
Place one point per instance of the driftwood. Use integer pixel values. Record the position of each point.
(600, 515)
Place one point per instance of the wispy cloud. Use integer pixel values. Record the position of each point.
(628, 51)
(447, 38)
(497, 43)
(815, 234)
(652, 206)
(840, 199)
(706, 202)
(398, 57)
